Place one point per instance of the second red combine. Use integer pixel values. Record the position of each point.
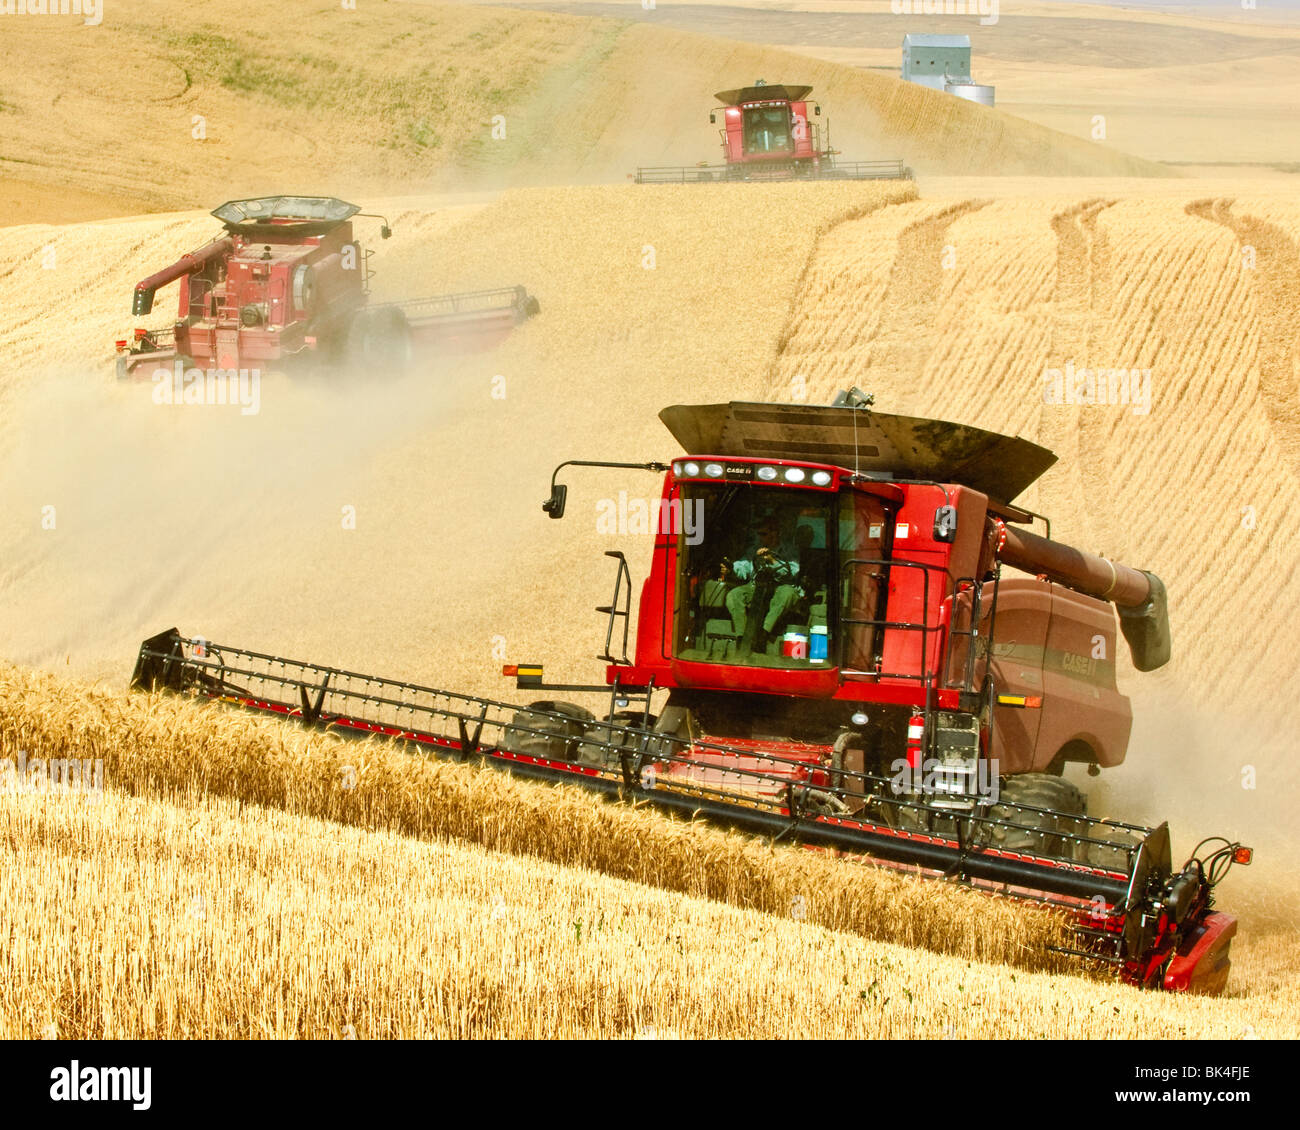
(767, 134)
(287, 282)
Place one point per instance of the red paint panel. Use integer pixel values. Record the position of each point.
(1201, 964)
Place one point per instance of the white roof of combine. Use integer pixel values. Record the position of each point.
(936, 41)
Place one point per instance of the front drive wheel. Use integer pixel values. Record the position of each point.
(549, 729)
(379, 341)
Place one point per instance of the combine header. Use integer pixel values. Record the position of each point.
(848, 662)
(288, 281)
(767, 135)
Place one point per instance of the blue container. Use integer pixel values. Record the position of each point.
(817, 650)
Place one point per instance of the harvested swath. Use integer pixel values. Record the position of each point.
(160, 746)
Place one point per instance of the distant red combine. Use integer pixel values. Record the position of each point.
(287, 281)
(768, 135)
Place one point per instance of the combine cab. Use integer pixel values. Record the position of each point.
(863, 646)
(287, 281)
(768, 135)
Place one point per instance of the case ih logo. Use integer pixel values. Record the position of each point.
(1077, 664)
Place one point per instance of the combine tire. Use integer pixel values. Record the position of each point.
(1039, 833)
(603, 747)
(553, 730)
(1103, 855)
(379, 341)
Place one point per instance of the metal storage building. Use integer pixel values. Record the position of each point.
(932, 60)
(942, 62)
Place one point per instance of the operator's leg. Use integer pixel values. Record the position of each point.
(738, 601)
(782, 599)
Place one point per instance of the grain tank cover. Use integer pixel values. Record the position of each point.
(774, 93)
(295, 215)
(902, 446)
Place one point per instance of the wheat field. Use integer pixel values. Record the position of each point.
(235, 887)
(164, 747)
(855, 292)
(206, 894)
(392, 98)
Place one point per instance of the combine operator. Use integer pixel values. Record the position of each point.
(769, 572)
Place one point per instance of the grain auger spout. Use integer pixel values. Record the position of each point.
(1138, 596)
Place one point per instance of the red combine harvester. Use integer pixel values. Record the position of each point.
(286, 281)
(768, 135)
(848, 664)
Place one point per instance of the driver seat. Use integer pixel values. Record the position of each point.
(720, 639)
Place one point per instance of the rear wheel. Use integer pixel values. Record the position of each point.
(379, 341)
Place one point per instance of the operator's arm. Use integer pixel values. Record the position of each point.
(785, 570)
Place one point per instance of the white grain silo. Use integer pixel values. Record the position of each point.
(942, 62)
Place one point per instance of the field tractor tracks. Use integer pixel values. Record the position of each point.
(895, 332)
(905, 336)
(1080, 265)
(1079, 336)
(1275, 279)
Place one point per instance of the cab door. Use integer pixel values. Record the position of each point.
(863, 553)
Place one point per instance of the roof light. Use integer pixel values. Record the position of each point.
(690, 469)
(767, 474)
(821, 478)
(677, 469)
(713, 470)
(794, 474)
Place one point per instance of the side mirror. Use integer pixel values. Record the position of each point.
(713, 118)
(817, 110)
(554, 506)
(385, 232)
